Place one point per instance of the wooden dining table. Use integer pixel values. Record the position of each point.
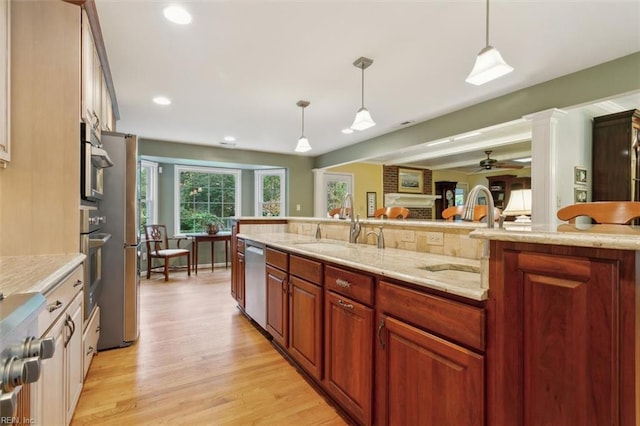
(203, 237)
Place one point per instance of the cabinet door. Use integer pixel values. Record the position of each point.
(348, 359)
(240, 278)
(90, 339)
(49, 389)
(558, 341)
(422, 379)
(87, 70)
(305, 333)
(277, 305)
(74, 355)
(96, 106)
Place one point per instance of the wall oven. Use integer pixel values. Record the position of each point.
(93, 158)
(91, 243)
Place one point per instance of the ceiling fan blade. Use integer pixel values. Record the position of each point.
(507, 166)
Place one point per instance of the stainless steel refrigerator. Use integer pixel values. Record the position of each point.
(119, 299)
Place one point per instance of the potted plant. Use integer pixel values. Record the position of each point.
(208, 222)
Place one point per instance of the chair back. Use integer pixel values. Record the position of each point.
(392, 213)
(607, 212)
(156, 236)
(479, 212)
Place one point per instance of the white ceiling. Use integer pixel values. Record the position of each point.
(241, 66)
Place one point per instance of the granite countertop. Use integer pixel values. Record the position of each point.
(623, 237)
(24, 274)
(398, 264)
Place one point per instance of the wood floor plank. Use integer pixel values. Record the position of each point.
(198, 361)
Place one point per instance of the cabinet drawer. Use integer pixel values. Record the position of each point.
(348, 283)
(308, 269)
(59, 299)
(90, 339)
(277, 258)
(240, 245)
(449, 319)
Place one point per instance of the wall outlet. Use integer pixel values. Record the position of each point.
(435, 238)
(144, 255)
(297, 207)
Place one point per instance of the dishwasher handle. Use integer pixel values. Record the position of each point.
(256, 250)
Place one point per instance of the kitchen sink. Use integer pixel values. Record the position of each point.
(457, 267)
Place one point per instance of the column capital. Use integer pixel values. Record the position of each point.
(547, 114)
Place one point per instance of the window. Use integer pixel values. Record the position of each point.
(204, 195)
(148, 194)
(270, 191)
(336, 187)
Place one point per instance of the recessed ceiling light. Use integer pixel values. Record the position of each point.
(162, 100)
(229, 138)
(177, 15)
(468, 135)
(347, 131)
(523, 160)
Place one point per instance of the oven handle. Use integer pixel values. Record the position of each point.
(98, 240)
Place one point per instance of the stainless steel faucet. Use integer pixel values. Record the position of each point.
(318, 232)
(354, 228)
(472, 199)
(379, 237)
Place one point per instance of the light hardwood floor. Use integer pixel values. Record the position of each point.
(198, 361)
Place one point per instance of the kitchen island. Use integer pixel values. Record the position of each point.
(546, 333)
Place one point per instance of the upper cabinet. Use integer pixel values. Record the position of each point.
(97, 107)
(5, 51)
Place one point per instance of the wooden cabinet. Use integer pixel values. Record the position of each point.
(423, 378)
(615, 149)
(305, 314)
(564, 327)
(447, 192)
(90, 339)
(5, 66)
(502, 185)
(348, 360)
(278, 305)
(56, 394)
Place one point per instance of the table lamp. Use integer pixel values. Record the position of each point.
(519, 205)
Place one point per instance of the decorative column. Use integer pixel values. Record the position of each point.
(544, 165)
(318, 192)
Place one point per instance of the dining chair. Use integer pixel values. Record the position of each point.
(337, 210)
(391, 213)
(605, 212)
(479, 212)
(158, 248)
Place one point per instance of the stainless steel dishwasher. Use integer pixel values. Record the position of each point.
(255, 302)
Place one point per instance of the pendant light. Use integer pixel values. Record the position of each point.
(303, 142)
(363, 118)
(489, 63)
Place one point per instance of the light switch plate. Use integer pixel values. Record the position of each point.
(407, 236)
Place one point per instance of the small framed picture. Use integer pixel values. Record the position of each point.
(580, 175)
(371, 204)
(579, 195)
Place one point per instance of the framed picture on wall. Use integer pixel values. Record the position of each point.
(580, 175)
(579, 195)
(410, 180)
(371, 203)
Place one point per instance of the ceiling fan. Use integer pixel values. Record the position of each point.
(489, 163)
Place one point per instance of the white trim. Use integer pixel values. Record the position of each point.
(334, 177)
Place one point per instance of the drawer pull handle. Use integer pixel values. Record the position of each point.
(345, 305)
(78, 283)
(380, 327)
(97, 329)
(90, 350)
(55, 306)
(343, 283)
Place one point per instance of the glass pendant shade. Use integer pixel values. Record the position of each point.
(363, 120)
(303, 145)
(489, 66)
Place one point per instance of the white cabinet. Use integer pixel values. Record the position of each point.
(56, 394)
(87, 70)
(90, 339)
(5, 43)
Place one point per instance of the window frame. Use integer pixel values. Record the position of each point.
(200, 169)
(152, 188)
(328, 177)
(258, 192)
